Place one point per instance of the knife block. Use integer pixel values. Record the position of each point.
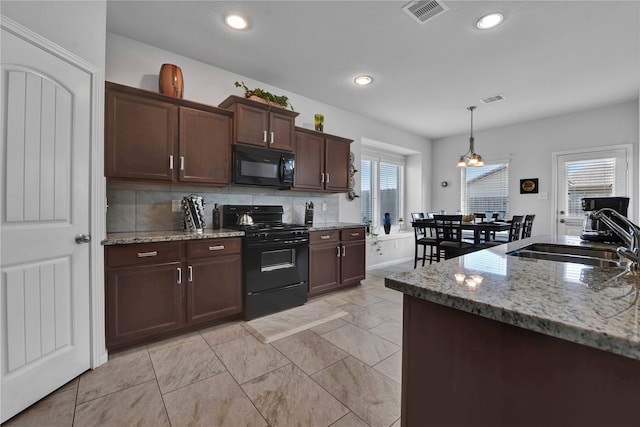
(308, 217)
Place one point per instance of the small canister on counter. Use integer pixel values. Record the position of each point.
(216, 217)
(308, 214)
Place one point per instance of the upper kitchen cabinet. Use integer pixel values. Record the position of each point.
(261, 124)
(153, 137)
(322, 161)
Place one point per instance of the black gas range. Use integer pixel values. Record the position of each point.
(275, 258)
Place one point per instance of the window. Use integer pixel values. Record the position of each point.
(485, 188)
(381, 187)
(589, 178)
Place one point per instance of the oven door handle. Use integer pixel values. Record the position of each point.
(280, 243)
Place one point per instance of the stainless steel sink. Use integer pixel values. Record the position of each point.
(575, 254)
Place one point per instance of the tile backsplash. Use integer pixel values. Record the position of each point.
(142, 207)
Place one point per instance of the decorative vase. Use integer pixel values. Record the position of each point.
(170, 81)
(387, 223)
(319, 122)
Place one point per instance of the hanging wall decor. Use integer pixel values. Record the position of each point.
(351, 195)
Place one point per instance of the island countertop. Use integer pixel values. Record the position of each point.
(579, 303)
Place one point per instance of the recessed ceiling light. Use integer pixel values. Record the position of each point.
(489, 21)
(236, 21)
(363, 80)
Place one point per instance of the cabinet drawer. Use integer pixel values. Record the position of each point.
(352, 234)
(142, 253)
(213, 247)
(324, 236)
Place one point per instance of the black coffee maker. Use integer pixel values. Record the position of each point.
(593, 229)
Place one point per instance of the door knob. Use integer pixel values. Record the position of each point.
(83, 238)
(562, 221)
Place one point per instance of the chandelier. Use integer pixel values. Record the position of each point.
(470, 158)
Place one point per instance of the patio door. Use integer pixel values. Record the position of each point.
(588, 173)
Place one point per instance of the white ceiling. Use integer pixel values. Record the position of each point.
(547, 58)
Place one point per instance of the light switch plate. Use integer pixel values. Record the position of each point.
(176, 205)
(324, 206)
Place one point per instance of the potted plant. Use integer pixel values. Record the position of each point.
(270, 98)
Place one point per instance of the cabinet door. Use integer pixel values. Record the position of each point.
(143, 301)
(324, 268)
(337, 164)
(309, 161)
(281, 128)
(140, 137)
(353, 262)
(214, 288)
(205, 147)
(251, 125)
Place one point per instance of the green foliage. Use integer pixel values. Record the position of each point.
(281, 100)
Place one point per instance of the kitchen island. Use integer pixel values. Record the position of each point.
(519, 341)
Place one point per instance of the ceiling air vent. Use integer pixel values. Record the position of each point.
(422, 11)
(494, 98)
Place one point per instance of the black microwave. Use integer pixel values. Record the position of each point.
(262, 166)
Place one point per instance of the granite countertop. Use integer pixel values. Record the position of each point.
(578, 303)
(166, 236)
(334, 226)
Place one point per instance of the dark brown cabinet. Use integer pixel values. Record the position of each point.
(154, 290)
(322, 161)
(214, 274)
(336, 259)
(152, 137)
(260, 124)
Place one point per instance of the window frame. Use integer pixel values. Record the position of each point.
(463, 184)
(377, 157)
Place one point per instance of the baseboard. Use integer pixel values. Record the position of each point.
(387, 263)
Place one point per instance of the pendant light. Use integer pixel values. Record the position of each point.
(470, 158)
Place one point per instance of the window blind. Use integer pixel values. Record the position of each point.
(389, 192)
(589, 178)
(485, 188)
(366, 191)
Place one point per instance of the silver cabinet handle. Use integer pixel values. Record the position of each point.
(322, 178)
(83, 238)
(190, 274)
(216, 248)
(147, 254)
(271, 138)
(181, 163)
(171, 161)
(355, 234)
(264, 136)
(179, 275)
(338, 248)
(344, 251)
(327, 177)
(325, 237)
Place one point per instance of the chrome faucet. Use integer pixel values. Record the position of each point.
(631, 238)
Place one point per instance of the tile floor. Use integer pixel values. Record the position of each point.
(345, 372)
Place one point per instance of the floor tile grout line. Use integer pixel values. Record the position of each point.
(117, 391)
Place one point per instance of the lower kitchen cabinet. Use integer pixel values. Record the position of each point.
(154, 290)
(214, 277)
(336, 259)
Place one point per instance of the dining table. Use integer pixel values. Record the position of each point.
(485, 229)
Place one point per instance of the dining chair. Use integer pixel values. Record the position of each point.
(423, 235)
(417, 215)
(527, 226)
(449, 236)
(514, 232)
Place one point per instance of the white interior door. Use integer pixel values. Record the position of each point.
(44, 184)
(589, 173)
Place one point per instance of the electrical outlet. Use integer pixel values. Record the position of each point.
(176, 205)
(324, 206)
(395, 245)
(543, 196)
